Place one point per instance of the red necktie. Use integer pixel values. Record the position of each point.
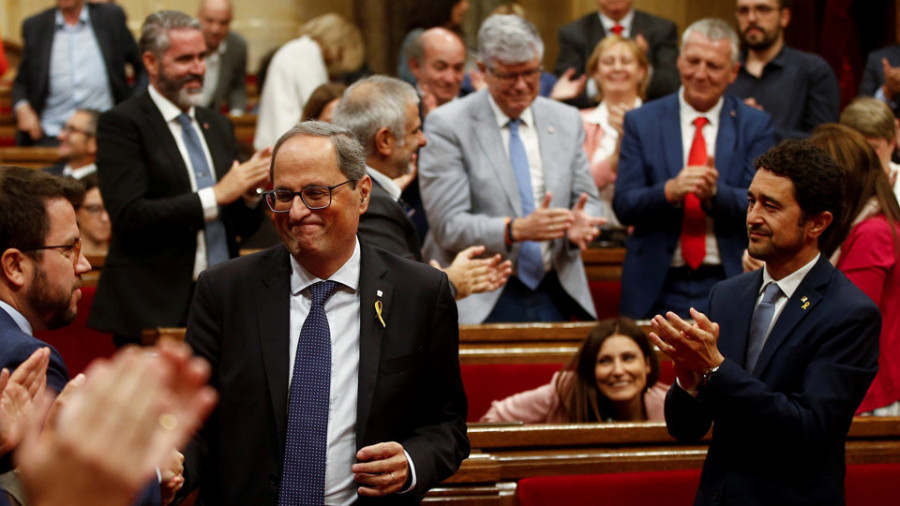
(693, 228)
(618, 29)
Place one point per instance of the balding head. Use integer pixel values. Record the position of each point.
(437, 60)
(215, 19)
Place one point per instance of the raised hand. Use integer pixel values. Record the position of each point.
(583, 229)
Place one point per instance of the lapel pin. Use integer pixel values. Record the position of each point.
(550, 130)
(805, 303)
(378, 307)
(379, 293)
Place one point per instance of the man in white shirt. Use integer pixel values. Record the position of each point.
(77, 146)
(177, 198)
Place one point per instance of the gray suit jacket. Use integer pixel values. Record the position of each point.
(469, 188)
(231, 89)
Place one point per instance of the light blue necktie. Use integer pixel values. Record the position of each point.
(759, 324)
(530, 266)
(305, 447)
(216, 242)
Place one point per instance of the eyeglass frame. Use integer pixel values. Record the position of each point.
(73, 129)
(75, 247)
(759, 10)
(299, 193)
(513, 77)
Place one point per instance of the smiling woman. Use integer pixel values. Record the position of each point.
(613, 377)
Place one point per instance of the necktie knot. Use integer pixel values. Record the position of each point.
(618, 29)
(771, 292)
(514, 126)
(700, 122)
(184, 120)
(322, 291)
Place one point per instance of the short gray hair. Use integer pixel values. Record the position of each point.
(510, 39)
(155, 31)
(350, 155)
(714, 29)
(374, 103)
(416, 48)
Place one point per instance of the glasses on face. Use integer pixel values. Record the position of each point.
(69, 129)
(70, 251)
(760, 10)
(513, 77)
(313, 197)
(94, 209)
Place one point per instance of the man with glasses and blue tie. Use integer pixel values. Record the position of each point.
(786, 353)
(336, 362)
(176, 197)
(506, 168)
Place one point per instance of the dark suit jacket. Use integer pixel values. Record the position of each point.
(873, 75)
(651, 154)
(410, 389)
(578, 39)
(119, 49)
(148, 274)
(56, 169)
(16, 346)
(385, 225)
(779, 431)
(231, 90)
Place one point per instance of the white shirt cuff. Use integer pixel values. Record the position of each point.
(208, 201)
(412, 473)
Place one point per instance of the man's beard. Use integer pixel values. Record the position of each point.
(767, 39)
(51, 304)
(175, 90)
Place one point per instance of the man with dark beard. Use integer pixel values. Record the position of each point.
(798, 89)
(177, 199)
(40, 264)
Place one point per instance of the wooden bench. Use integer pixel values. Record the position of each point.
(30, 157)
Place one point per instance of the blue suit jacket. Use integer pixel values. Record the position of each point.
(779, 431)
(16, 346)
(651, 154)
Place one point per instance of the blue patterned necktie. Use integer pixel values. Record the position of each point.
(759, 324)
(303, 476)
(216, 242)
(530, 266)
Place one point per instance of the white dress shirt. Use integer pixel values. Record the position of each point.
(687, 115)
(342, 312)
(207, 196)
(80, 172)
(528, 134)
(211, 76)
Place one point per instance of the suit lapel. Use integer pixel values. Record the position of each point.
(803, 302)
(220, 160)
(44, 49)
(726, 139)
(671, 130)
(103, 36)
(177, 168)
(595, 33)
(551, 152)
(273, 308)
(373, 288)
(491, 143)
(736, 318)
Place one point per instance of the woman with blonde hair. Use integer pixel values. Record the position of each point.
(328, 47)
(612, 377)
(866, 249)
(620, 70)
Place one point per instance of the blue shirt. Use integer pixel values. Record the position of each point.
(798, 89)
(78, 78)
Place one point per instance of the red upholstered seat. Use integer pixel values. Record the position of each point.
(78, 344)
(867, 484)
(490, 382)
(652, 488)
(606, 295)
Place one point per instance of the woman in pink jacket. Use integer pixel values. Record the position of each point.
(870, 254)
(613, 377)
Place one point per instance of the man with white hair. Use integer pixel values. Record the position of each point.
(175, 195)
(505, 168)
(685, 165)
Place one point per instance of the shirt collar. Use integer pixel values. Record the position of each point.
(17, 317)
(386, 183)
(791, 282)
(689, 114)
(608, 23)
(347, 275)
(502, 119)
(168, 110)
(778, 61)
(82, 17)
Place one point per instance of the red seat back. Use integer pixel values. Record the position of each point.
(490, 382)
(78, 344)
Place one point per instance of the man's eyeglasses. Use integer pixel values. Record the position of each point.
(69, 129)
(759, 10)
(70, 251)
(513, 77)
(313, 197)
(94, 209)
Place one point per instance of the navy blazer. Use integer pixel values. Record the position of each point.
(16, 346)
(779, 431)
(873, 75)
(32, 82)
(651, 154)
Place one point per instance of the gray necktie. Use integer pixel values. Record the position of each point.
(216, 242)
(759, 324)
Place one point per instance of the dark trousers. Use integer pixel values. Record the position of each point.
(548, 303)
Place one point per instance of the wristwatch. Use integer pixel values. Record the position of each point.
(704, 378)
